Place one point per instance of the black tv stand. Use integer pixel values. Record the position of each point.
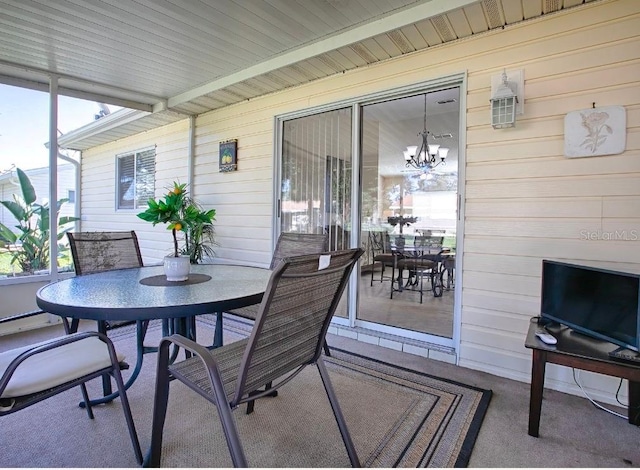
(579, 352)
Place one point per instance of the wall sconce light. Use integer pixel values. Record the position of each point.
(506, 99)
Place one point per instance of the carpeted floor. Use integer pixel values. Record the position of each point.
(397, 417)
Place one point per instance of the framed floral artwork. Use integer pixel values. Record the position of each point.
(228, 155)
(595, 131)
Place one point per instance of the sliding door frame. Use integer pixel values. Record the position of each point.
(356, 103)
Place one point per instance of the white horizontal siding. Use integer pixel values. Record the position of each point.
(99, 185)
(523, 200)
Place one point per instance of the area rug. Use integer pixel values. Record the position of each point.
(397, 418)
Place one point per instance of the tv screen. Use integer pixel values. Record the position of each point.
(597, 302)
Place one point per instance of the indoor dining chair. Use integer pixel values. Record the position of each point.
(424, 259)
(381, 252)
(33, 373)
(289, 332)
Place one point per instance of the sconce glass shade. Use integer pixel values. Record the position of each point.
(433, 149)
(503, 112)
(503, 105)
(443, 152)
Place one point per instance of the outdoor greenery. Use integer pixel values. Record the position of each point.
(28, 244)
(5, 263)
(183, 214)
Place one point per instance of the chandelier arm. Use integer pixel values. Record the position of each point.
(429, 161)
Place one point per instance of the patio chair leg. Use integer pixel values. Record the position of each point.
(325, 346)
(106, 378)
(342, 424)
(373, 268)
(117, 375)
(231, 434)
(87, 402)
(251, 403)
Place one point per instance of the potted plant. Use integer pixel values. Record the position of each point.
(181, 214)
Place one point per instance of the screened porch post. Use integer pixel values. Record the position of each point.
(53, 176)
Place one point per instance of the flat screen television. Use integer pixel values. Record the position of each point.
(597, 302)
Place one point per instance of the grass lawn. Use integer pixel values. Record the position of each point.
(5, 264)
(64, 262)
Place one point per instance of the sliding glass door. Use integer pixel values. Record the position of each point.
(409, 212)
(316, 171)
(390, 207)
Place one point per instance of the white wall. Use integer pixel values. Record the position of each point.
(99, 186)
(524, 201)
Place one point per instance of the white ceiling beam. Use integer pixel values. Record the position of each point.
(75, 93)
(390, 22)
(14, 74)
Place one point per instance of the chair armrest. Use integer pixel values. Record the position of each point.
(199, 352)
(20, 316)
(17, 357)
(186, 343)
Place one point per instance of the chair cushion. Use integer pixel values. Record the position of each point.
(55, 366)
(412, 263)
(384, 258)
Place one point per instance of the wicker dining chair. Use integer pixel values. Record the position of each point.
(33, 373)
(301, 297)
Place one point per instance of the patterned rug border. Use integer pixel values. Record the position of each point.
(478, 416)
(241, 328)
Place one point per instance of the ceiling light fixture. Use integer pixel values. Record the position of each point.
(425, 157)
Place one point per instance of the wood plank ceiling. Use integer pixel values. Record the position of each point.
(168, 58)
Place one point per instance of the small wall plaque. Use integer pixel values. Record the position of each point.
(595, 131)
(228, 155)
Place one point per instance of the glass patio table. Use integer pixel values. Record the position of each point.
(142, 294)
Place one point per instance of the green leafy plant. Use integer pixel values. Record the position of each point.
(29, 243)
(182, 214)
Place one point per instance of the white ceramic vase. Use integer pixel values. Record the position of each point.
(177, 268)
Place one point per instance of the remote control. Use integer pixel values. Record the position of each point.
(546, 337)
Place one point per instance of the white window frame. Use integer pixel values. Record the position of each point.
(134, 154)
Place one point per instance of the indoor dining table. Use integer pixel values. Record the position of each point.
(142, 294)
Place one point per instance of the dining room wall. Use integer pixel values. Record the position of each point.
(523, 199)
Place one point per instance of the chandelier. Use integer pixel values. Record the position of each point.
(425, 157)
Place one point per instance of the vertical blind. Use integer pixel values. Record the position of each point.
(316, 175)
